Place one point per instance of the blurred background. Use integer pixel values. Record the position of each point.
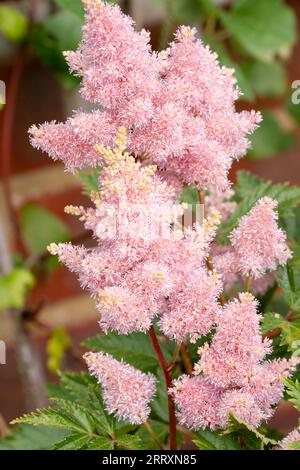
(44, 315)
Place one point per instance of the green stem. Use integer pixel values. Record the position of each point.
(152, 434)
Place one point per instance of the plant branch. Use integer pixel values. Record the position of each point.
(168, 379)
(153, 435)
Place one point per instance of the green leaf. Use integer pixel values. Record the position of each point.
(47, 49)
(209, 440)
(77, 412)
(13, 24)
(256, 437)
(65, 28)
(294, 445)
(85, 390)
(290, 330)
(293, 391)
(50, 417)
(289, 281)
(264, 28)
(14, 287)
(89, 181)
(73, 442)
(40, 227)
(57, 345)
(128, 442)
(266, 79)
(249, 189)
(160, 402)
(136, 349)
(73, 6)
(100, 443)
(269, 139)
(28, 437)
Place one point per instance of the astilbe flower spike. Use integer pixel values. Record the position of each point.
(127, 391)
(178, 106)
(258, 242)
(133, 276)
(232, 376)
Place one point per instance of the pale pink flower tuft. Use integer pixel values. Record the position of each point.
(237, 347)
(258, 242)
(193, 311)
(197, 402)
(124, 310)
(127, 391)
(242, 405)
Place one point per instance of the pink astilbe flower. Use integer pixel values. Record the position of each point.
(237, 346)
(258, 242)
(74, 141)
(242, 405)
(193, 311)
(124, 311)
(127, 391)
(116, 62)
(290, 440)
(267, 386)
(178, 107)
(197, 402)
(131, 273)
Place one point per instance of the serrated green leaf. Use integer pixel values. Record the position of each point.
(73, 442)
(264, 28)
(136, 348)
(209, 440)
(40, 227)
(50, 418)
(128, 442)
(100, 443)
(77, 412)
(239, 427)
(293, 391)
(13, 24)
(28, 437)
(14, 287)
(89, 181)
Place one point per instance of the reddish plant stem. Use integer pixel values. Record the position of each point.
(168, 379)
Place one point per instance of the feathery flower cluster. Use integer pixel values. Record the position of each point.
(179, 110)
(233, 369)
(133, 276)
(127, 392)
(258, 242)
(178, 106)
